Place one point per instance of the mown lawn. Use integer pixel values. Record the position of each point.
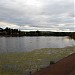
(24, 62)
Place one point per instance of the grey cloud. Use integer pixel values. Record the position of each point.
(59, 7)
(51, 14)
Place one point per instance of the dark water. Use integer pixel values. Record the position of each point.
(23, 44)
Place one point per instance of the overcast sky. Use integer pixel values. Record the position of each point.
(49, 15)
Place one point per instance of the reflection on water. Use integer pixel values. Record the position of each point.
(22, 44)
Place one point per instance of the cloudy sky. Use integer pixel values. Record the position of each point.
(46, 15)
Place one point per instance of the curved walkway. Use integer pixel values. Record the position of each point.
(65, 66)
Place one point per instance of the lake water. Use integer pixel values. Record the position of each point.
(23, 44)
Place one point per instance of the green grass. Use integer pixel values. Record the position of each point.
(24, 62)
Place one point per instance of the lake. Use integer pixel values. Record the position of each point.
(23, 44)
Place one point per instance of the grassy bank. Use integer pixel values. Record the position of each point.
(24, 62)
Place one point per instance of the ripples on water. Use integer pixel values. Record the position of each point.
(23, 44)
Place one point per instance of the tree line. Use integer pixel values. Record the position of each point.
(16, 32)
(10, 32)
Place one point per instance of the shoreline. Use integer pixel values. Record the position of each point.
(25, 62)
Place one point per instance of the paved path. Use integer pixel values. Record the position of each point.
(66, 66)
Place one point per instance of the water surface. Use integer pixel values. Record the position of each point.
(23, 44)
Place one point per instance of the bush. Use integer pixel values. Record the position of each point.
(52, 62)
